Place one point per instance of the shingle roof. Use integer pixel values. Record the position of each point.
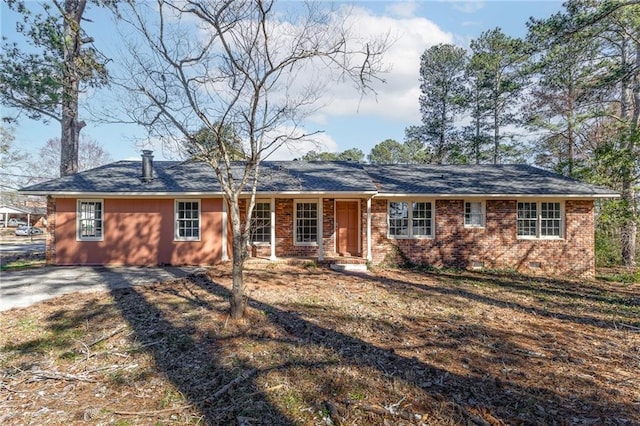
(174, 177)
(517, 179)
(314, 176)
(196, 177)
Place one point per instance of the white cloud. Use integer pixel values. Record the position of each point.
(320, 142)
(402, 9)
(398, 97)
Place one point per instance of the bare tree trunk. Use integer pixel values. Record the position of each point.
(239, 250)
(70, 135)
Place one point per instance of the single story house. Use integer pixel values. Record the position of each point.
(472, 216)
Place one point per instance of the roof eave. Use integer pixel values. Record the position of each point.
(76, 194)
(495, 196)
(357, 194)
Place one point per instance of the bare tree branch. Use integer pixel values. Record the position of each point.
(216, 71)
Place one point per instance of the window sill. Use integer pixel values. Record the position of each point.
(413, 237)
(186, 240)
(474, 226)
(311, 244)
(540, 238)
(86, 239)
(260, 244)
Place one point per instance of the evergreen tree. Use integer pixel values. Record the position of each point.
(45, 80)
(497, 60)
(612, 135)
(442, 70)
(351, 154)
(560, 106)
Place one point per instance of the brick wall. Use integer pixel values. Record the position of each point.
(50, 241)
(495, 245)
(285, 246)
(328, 227)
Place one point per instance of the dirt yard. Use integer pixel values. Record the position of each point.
(323, 348)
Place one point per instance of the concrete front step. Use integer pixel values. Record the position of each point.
(349, 267)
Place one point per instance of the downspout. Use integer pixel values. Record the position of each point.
(369, 256)
(320, 231)
(273, 229)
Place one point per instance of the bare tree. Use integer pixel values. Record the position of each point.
(248, 66)
(44, 166)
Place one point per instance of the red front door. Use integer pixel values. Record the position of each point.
(347, 228)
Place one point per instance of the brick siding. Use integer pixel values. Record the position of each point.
(494, 246)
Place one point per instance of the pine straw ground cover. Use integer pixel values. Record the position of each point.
(319, 348)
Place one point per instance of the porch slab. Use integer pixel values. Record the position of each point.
(349, 267)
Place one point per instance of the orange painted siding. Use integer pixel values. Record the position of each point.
(138, 232)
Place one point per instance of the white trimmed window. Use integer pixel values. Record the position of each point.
(474, 214)
(408, 219)
(540, 219)
(306, 223)
(261, 223)
(187, 214)
(89, 220)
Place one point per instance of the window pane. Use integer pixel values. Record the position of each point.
(90, 219)
(550, 219)
(306, 225)
(260, 231)
(473, 215)
(527, 219)
(187, 219)
(422, 216)
(399, 218)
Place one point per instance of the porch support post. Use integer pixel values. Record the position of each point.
(320, 232)
(225, 254)
(369, 256)
(273, 229)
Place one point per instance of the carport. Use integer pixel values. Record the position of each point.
(6, 211)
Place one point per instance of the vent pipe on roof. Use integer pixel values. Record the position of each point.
(147, 165)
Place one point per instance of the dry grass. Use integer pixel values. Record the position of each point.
(318, 347)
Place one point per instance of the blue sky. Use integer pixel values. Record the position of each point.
(346, 121)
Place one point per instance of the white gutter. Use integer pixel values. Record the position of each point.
(369, 251)
(496, 196)
(297, 194)
(313, 194)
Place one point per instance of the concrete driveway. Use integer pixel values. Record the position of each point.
(29, 286)
(12, 245)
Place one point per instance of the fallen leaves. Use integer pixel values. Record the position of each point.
(394, 347)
